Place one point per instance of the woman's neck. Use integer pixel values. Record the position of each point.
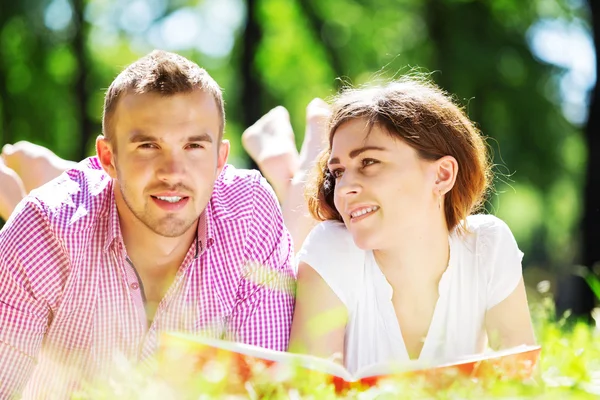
(418, 256)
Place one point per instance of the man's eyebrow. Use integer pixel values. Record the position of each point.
(139, 137)
(204, 137)
(356, 152)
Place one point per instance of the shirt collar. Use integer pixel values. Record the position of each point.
(114, 235)
(204, 237)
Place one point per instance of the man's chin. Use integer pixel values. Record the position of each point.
(172, 229)
(171, 234)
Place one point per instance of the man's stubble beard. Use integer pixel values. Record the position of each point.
(171, 227)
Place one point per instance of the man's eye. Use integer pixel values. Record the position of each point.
(147, 146)
(195, 146)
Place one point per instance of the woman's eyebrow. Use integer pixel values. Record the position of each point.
(356, 152)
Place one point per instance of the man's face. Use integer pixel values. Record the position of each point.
(165, 156)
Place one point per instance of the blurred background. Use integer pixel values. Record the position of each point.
(524, 70)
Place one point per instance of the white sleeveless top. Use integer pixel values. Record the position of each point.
(484, 269)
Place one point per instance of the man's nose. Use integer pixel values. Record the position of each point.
(172, 167)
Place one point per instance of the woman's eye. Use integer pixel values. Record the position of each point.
(369, 161)
(337, 173)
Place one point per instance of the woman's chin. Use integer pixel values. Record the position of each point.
(364, 241)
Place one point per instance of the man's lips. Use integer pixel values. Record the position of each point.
(170, 202)
(172, 197)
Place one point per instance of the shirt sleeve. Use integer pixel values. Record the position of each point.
(330, 250)
(28, 247)
(264, 305)
(502, 259)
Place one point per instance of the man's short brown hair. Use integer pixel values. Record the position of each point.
(163, 73)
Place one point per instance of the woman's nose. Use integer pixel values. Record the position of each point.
(348, 184)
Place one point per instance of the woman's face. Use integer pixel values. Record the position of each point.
(383, 189)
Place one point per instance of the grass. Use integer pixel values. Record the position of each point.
(568, 369)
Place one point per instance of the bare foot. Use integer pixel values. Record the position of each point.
(12, 190)
(295, 210)
(35, 164)
(270, 143)
(315, 136)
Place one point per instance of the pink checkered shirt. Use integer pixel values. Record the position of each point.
(71, 305)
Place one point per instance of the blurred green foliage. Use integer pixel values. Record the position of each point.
(58, 56)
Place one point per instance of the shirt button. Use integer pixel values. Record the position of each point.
(134, 286)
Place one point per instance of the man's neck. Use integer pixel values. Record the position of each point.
(156, 260)
(151, 253)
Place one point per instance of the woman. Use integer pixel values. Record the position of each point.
(400, 269)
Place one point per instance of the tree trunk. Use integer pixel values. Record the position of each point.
(591, 219)
(5, 136)
(7, 12)
(317, 23)
(86, 125)
(574, 293)
(251, 86)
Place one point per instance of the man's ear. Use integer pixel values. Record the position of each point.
(445, 174)
(222, 156)
(106, 155)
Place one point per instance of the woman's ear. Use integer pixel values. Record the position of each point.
(446, 170)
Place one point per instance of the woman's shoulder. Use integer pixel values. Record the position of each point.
(499, 256)
(484, 223)
(493, 239)
(328, 246)
(330, 250)
(485, 237)
(330, 237)
(333, 231)
(487, 227)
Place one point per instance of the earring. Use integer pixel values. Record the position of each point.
(439, 195)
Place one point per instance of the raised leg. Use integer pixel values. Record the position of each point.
(270, 143)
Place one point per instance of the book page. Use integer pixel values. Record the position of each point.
(490, 354)
(172, 340)
(393, 368)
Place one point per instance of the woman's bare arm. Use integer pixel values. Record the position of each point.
(320, 317)
(508, 323)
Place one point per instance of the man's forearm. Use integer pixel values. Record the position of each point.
(12, 190)
(16, 368)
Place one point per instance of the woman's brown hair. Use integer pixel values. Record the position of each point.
(423, 116)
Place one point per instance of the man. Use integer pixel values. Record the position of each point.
(157, 233)
(270, 142)
(12, 192)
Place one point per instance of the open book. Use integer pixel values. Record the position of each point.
(193, 354)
